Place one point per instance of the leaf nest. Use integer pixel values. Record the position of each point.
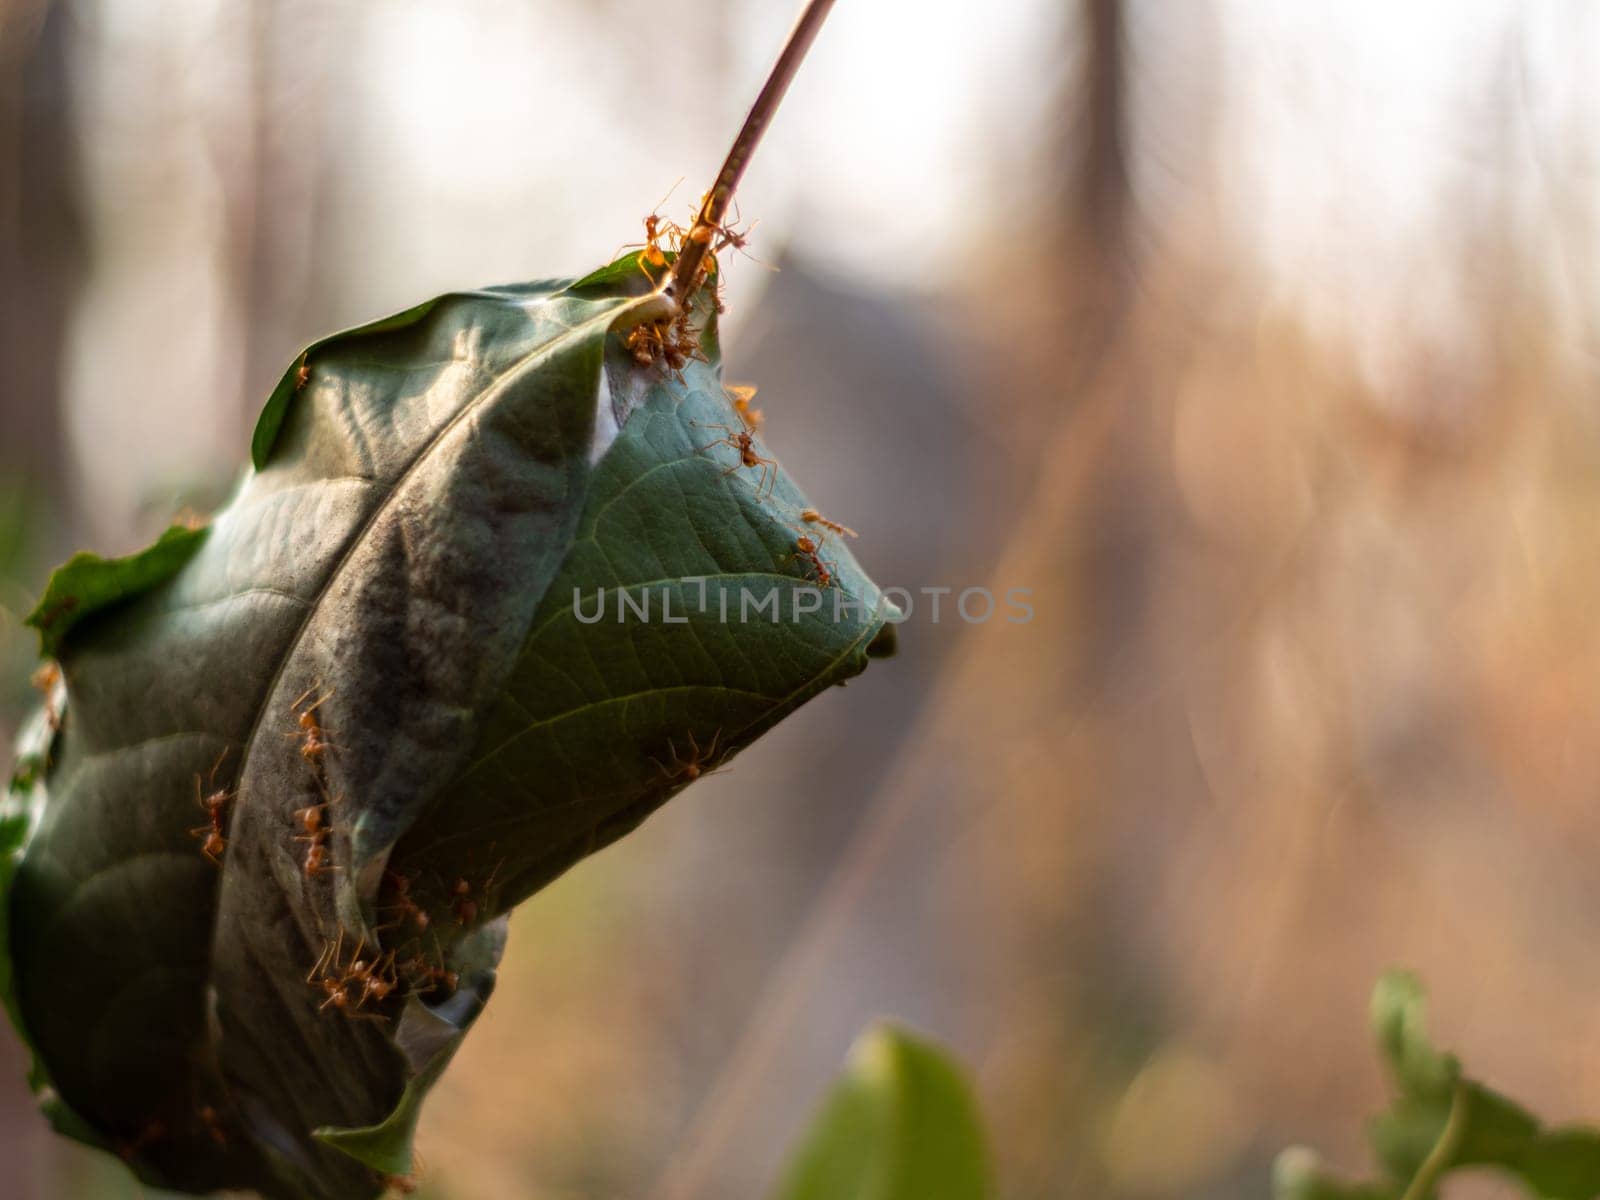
(299, 763)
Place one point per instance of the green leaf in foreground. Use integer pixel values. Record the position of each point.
(380, 657)
(900, 1124)
(1441, 1121)
(89, 583)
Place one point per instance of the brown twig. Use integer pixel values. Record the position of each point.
(688, 271)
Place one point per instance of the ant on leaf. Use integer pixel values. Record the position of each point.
(314, 743)
(408, 908)
(740, 396)
(213, 802)
(687, 770)
(743, 441)
(812, 517)
(313, 819)
(810, 549)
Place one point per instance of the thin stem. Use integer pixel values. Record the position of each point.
(1443, 1154)
(687, 271)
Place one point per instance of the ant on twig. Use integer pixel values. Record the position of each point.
(213, 802)
(743, 441)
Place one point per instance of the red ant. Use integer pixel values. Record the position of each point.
(318, 977)
(154, 1131)
(693, 767)
(408, 908)
(743, 441)
(740, 396)
(47, 676)
(672, 342)
(302, 374)
(213, 803)
(812, 517)
(717, 237)
(314, 740)
(727, 235)
(316, 859)
(418, 966)
(312, 819)
(810, 549)
(211, 1122)
(375, 979)
(655, 229)
(652, 341)
(336, 990)
(407, 1185)
(45, 679)
(466, 908)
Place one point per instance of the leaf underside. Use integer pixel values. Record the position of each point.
(428, 495)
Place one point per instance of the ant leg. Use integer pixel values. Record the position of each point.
(316, 967)
(212, 776)
(320, 701)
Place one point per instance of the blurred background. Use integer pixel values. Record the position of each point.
(1258, 340)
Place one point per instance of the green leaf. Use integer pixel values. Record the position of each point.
(20, 811)
(88, 583)
(429, 492)
(900, 1124)
(1299, 1175)
(1441, 1122)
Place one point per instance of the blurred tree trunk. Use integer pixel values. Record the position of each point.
(1093, 153)
(41, 253)
(275, 181)
(1094, 202)
(42, 257)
